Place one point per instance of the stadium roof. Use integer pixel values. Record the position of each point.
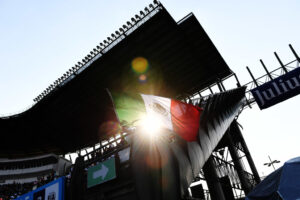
(71, 115)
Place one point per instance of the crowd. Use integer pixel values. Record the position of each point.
(12, 191)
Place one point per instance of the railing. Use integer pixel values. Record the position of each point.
(107, 148)
(284, 68)
(27, 170)
(266, 78)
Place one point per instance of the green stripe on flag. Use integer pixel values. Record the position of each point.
(130, 108)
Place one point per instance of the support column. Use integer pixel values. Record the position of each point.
(237, 163)
(246, 151)
(212, 179)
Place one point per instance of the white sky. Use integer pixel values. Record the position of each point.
(40, 40)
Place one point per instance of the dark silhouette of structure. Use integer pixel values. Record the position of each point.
(75, 112)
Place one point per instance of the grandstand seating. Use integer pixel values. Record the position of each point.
(18, 176)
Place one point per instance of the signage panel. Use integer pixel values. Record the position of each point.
(101, 172)
(51, 191)
(277, 90)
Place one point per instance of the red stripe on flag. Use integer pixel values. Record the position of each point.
(185, 120)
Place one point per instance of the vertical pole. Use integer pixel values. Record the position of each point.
(237, 80)
(281, 64)
(212, 179)
(221, 82)
(200, 94)
(77, 188)
(70, 158)
(190, 100)
(246, 151)
(272, 163)
(210, 90)
(219, 86)
(294, 52)
(264, 66)
(237, 163)
(254, 80)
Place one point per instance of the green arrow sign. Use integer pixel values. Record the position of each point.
(101, 172)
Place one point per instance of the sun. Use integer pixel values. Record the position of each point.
(151, 125)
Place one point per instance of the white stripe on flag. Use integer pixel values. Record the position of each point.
(159, 106)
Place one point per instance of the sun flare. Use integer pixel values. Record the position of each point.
(151, 125)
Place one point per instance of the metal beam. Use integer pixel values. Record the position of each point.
(246, 152)
(212, 180)
(237, 163)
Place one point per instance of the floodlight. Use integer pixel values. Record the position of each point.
(128, 23)
(146, 10)
(109, 39)
(151, 6)
(142, 13)
(137, 17)
(125, 27)
(121, 30)
(117, 32)
(113, 35)
(155, 2)
(105, 42)
(133, 20)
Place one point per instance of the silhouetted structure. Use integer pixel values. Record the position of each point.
(75, 112)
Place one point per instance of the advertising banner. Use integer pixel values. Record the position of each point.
(277, 90)
(101, 172)
(51, 191)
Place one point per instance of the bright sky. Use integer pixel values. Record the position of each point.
(40, 40)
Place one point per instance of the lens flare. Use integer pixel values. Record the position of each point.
(143, 78)
(151, 125)
(139, 65)
(110, 128)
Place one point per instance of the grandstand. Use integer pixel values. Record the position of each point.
(76, 112)
(25, 174)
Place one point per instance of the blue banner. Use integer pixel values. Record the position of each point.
(51, 191)
(277, 90)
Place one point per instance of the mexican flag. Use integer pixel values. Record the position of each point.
(174, 115)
